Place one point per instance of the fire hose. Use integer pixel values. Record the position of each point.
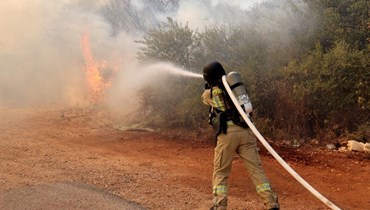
(272, 151)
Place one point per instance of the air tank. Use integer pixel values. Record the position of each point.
(236, 85)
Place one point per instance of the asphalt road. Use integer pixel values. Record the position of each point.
(66, 195)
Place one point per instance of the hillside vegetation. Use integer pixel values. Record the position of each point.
(313, 81)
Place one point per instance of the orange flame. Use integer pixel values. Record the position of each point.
(94, 79)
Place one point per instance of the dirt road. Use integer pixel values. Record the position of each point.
(79, 160)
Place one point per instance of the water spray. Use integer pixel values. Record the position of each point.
(170, 69)
(233, 78)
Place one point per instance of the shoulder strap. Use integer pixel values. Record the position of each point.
(231, 111)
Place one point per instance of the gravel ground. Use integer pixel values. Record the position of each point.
(81, 161)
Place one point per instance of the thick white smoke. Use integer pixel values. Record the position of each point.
(242, 4)
(200, 14)
(41, 56)
(40, 50)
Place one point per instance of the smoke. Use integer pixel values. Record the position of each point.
(275, 20)
(40, 50)
(200, 14)
(41, 56)
(122, 97)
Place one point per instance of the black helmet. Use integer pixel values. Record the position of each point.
(213, 72)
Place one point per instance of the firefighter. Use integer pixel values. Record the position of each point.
(232, 135)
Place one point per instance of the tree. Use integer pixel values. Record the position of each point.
(172, 42)
(171, 99)
(347, 19)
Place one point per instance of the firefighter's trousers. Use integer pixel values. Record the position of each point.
(241, 141)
